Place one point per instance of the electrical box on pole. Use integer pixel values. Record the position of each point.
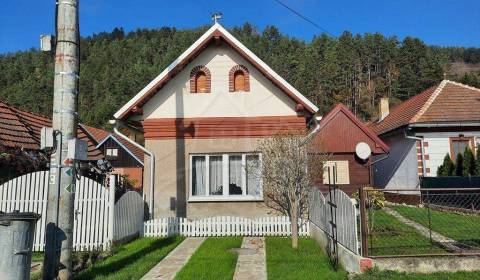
(77, 149)
(47, 43)
(46, 138)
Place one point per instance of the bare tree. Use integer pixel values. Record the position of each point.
(289, 169)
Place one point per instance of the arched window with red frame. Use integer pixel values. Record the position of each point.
(200, 80)
(239, 80)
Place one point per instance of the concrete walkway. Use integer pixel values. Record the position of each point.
(447, 242)
(251, 263)
(173, 262)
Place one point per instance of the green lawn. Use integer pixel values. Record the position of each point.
(464, 228)
(391, 275)
(132, 260)
(212, 260)
(307, 262)
(389, 236)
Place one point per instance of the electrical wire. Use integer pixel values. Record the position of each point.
(304, 18)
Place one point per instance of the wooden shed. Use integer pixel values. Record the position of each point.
(338, 134)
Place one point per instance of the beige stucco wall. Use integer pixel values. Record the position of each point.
(174, 100)
(172, 178)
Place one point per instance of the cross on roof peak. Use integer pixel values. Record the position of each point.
(216, 16)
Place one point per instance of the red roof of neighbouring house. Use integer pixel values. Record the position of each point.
(21, 129)
(447, 102)
(99, 136)
(340, 132)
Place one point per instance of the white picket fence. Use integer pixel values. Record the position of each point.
(346, 216)
(223, 226)
(94, 210)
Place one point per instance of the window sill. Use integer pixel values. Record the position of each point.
(224, 199)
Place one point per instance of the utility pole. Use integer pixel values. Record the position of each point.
(61, 192)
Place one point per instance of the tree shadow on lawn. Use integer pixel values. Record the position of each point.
(112, 265)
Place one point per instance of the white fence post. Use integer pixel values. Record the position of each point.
(111, 207)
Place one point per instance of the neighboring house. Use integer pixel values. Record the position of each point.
(443, 119)
(338, 134)
(203, 118)
(20, 133)
(125, 158)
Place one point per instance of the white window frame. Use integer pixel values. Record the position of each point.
(225, 180)
(112, 150)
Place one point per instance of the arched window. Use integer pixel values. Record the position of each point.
(239, 79)
(200, 82)
(200, 79)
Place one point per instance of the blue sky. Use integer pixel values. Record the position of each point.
(438, 22)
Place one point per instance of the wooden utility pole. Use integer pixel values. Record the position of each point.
(61, 192)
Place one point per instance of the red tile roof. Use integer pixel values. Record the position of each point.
(340, 132)
(447, 102)
(21, 129)
(99, 135)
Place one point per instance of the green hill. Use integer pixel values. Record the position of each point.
(354, 69)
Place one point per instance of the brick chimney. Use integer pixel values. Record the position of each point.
(384, 108)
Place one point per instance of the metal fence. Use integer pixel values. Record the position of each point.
(336, 214)
(421, 222)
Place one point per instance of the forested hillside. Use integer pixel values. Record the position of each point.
(354, 69)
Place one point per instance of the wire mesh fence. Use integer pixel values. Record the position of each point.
(421, 222)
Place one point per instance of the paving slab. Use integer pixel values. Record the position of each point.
(251, 263)
(167, 268)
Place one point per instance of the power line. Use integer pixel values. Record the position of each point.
(304, 18)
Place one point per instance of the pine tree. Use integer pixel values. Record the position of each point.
(468, 163)
(447, 168)
(477, 162)
(459, 165)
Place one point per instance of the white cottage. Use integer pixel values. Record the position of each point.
(203, 118)
(443, 119)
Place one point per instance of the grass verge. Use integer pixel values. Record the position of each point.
(392, 275)
(462, 227)
(389, 236)
(306, 262)
(132, 260)
(212, 260)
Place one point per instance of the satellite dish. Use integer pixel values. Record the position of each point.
(363, 151)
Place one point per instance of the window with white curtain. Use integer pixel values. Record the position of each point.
(225, 177)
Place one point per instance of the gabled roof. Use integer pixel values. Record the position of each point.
(21, 129)
(448, 103)
(100, 136)
(340, 131)
(215, 32)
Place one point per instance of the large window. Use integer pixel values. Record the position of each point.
(459, 144)
(225, 177)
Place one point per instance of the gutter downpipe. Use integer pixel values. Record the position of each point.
(422, 151)
(117, 124)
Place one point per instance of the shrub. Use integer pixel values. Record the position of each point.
(468, 163)
(447, 168)
(459, 165)
(477, 161)
(373, 199)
